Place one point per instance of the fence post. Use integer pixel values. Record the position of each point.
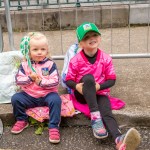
(9, 25)
(1, 39)
(78, 3)
(1, 128)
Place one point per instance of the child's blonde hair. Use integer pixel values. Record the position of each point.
(38, 36)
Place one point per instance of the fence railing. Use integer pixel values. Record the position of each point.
(23, 3)
(115, 55)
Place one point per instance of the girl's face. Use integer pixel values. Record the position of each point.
(90, 41)
(38, 49)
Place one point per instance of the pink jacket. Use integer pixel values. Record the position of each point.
(102, 69)
(48, 72)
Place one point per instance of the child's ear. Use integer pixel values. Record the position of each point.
(81, 44)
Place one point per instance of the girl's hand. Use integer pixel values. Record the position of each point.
(79, 88)
(33, 76)
(38, 80)
(97, 86)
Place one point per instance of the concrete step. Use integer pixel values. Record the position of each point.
(131, 116)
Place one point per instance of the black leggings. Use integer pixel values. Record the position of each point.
(98, 103)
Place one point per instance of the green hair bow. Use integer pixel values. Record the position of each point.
(24, 46)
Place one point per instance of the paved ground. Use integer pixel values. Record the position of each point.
(74, 138)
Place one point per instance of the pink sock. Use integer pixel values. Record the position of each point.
(95, 115)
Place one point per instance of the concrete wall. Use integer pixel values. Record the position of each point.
(140, 14)
(50, 19)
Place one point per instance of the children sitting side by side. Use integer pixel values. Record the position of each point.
(90, 76)
(38, 78)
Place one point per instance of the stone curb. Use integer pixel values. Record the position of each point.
(124, 117)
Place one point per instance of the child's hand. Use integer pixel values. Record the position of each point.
(79, 88)
(33, 76)
(37, 80)
(97, 86)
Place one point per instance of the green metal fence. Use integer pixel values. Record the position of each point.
(23, 3)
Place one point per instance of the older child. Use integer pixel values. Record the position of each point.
(90, 75)
(38, 78)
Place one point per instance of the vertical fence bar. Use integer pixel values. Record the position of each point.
(19, 2)
(28, 2)
(37, 2)
(111, 28)
(1, 39)
(148, 27)
(93, 12)
(78, 3)
(43, 26)
(76, 18)
(9, 25)
(9, 3)
(60, 25)
(1, 128)
(27, 15)
(129, 27)
(19, 6)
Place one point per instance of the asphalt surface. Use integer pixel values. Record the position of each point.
(72, 138)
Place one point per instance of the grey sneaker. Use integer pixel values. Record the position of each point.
(99, 130)
(128, 141)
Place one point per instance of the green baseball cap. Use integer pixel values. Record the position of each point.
(85, 28)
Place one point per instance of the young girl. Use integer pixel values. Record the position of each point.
(38, 78)
(90, 75)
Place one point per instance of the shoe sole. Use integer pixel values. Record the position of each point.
(17, 132)
(131, 140)
(100, 137)
(54, 141)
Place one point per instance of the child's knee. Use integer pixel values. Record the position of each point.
(55, 100)
(88, 78)
(14, 99)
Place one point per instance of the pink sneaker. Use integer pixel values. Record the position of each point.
(19, 126)
(54, 136)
